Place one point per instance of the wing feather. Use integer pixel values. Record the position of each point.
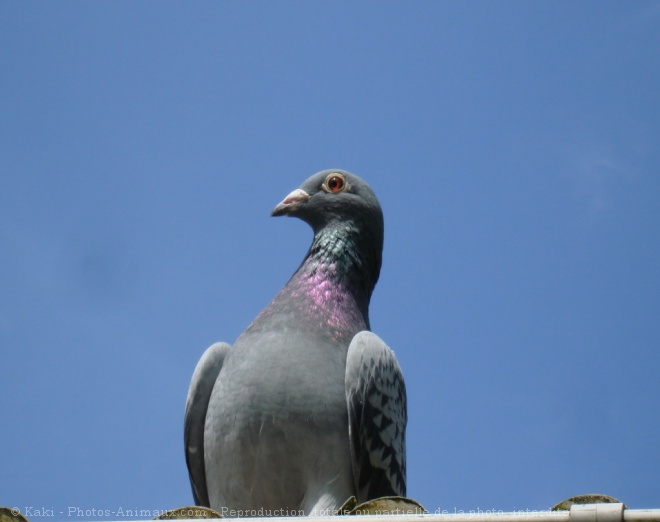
(377, 417)
(201, 385)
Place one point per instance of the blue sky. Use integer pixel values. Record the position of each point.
(513, 147)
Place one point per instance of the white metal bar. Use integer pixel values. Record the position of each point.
(600, 513)
(641, 515)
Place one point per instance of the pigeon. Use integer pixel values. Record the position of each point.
(308, 407)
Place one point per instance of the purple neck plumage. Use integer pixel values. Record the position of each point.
(333, 285)
(340, 269)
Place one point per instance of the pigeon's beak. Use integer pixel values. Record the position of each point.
(290, 203)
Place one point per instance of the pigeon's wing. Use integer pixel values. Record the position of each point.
(203, 379)
(377, 416)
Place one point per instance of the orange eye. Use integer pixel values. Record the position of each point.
(335, 183)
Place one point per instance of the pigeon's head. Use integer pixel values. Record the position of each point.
(347, 221)
(333, 197)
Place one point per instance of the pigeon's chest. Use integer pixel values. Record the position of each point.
(281, 375)
(288, 368)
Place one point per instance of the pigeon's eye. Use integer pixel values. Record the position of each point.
(335, 183)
